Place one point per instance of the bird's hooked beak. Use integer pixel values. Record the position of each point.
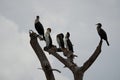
(96, 24)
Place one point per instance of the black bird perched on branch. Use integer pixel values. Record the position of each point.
(68, 43)
(48, 38)
(39, 27)
(60, 40)
(102, 33)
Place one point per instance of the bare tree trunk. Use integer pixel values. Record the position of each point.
(77, 71)
(41, 56)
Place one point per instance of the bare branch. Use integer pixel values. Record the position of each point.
(66, 62)
(52, 70)
(93, 57)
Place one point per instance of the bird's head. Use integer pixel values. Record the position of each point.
(49, 29)
(37, 17)
(67, 35)
(62, 35)
(99, 25)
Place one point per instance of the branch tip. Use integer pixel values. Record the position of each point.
(52, 70)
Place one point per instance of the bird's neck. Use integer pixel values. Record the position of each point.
(37, 20)
(98, 28)
(48, 32)
(66, 38)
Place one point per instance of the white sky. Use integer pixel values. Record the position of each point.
(19, 62)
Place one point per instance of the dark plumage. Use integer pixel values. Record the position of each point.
(69, 45)
(60, 40)
(102, 33)
(39, 27)
(48, 39)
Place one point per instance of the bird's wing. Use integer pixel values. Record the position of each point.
(103, 34)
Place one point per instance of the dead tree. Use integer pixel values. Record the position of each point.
(77, 71)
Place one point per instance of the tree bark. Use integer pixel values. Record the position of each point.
(46, 67)
(77, 71)
(93, 57)
(78, 74)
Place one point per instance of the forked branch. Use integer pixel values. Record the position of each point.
(78, 72)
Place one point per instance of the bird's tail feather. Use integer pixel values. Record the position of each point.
(107, 42)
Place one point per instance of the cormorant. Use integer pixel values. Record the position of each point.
(68, 43)
(48, 39)
(102, 33)
(39, 27)
(60, 40)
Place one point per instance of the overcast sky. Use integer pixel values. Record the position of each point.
(19, 62)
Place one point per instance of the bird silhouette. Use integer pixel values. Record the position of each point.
(39, 27)
(60, 40)
(102, 33)
(68, 43)
(48, 38)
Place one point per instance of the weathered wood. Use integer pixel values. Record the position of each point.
(93, 57)
(41, 56)
(78, 72)
(66, 62)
